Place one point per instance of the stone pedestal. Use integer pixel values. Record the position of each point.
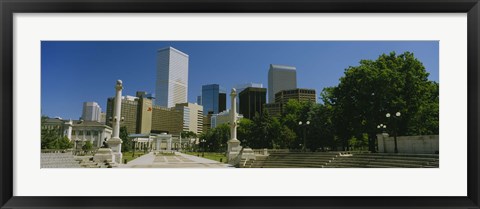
(115, 145)
(381, 146)
(104, 154)
(234, 149)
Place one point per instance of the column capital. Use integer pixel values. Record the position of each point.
(119, 85)
(233, 93)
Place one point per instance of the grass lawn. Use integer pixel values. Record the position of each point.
(129, 157)
(220, 157)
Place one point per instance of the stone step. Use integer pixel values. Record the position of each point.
(399, 155)
(289, 166)
(356, 164)
(379, 160)
(391, 157)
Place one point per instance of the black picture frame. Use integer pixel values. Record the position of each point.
(10, 7)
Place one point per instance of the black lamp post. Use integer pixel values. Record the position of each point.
(304, 147)
(203, 150)
(394, 117)
(134, 146)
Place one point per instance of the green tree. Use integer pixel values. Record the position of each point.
(220, 136)
(63, 143)
(260, 135)
(188, 134)
(295, 112)
(127, 143)
(51, 138)
(88, 146)
(322, 132)
(392, 83)
(281, 135)
(215, 138)
(244, 131)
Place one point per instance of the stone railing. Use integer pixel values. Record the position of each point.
(56, 150)
(236, 162)
(261, 151)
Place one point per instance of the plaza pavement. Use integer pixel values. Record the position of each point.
(180, 160)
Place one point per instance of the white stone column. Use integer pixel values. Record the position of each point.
(233, 116)
(158, 143)
(234, 147)
(180, 148)
(169, 145)
(100, 139)
(115, 142)
(117, 110)
(69, 130)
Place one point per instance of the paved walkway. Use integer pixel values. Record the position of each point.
(179, 160)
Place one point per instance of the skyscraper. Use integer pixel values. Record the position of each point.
(172, 77)
(91, 111)
(301, 95)
(214, 99)
(129, 113)
(275, 109)
(192, 117)
(199, 100)
(252, 101)
(280, 77)
(241, 87)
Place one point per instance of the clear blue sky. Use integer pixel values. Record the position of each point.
(77, 71)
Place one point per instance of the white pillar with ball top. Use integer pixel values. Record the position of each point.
(115, 143)
(234, 147)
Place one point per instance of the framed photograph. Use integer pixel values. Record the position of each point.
(265, 104)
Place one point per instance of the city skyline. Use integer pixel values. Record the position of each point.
(77, 72)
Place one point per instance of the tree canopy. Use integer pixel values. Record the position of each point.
(349, 113)
(392, 83)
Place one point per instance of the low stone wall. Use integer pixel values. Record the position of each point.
(427, 144)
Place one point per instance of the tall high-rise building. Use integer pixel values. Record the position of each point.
(172, 77)
(167, 120)
(301, 95)
(91, 111)
(129, 113)
(252, 101)
(192, 117)
(280, 77)
(241, 87)
(214, 99)
(136, 113)
(199, 100)
(275, 109)
(103, 118)
(140, 116)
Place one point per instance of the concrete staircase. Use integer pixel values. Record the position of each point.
(385, 160)
(68, 160)
(292, 160)
(87, 162)
(342, 160)
(58, 160)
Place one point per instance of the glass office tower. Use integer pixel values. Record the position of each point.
(214, 99)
